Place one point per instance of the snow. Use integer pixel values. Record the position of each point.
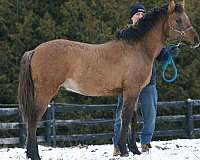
(180, 149)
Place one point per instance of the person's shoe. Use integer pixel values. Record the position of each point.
(146, 147)
(149, 145)
(116, 151)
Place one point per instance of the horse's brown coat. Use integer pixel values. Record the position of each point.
(96, 70)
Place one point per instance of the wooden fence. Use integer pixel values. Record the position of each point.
(51, 124)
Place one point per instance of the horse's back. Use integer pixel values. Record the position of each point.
(66, 44)
(60, 54)
(77, 66)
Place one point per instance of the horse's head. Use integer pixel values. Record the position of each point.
(179, 25)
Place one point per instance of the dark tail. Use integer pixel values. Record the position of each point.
(26, 87)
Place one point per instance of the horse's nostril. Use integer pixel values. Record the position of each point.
(196, 42)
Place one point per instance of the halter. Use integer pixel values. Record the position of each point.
(170, 60)
(182, 34)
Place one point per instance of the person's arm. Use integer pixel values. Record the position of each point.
(125, 33)
(162, 56)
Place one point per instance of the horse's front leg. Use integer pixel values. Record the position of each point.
(132, 134)
(127, 113)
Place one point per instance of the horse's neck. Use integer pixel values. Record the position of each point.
(154, 41)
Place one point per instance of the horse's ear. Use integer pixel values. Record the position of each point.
(183, 3)
(171, 6)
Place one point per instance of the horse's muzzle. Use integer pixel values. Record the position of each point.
(196, 41)
(195, 46)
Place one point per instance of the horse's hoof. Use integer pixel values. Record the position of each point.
(134, 149)
(136, 152)
(124, 154)
(33, 158)
(123, 151)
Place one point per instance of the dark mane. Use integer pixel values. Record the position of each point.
(137, 32)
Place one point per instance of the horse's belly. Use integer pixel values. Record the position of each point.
(71, 85)
(87, 89)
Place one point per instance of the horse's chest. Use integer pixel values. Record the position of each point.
(142, 76)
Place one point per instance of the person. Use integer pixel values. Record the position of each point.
(147, 98)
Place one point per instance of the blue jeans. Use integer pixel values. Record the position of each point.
(148, 99)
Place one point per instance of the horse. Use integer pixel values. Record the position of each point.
(122, 65)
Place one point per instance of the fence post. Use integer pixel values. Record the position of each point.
(189, 118)
(48, 124)
(22, 131)
(53, 124)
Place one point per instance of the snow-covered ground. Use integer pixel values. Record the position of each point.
(180, 149)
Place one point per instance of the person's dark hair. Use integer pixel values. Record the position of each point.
(137, 7)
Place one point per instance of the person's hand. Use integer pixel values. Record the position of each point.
(170, 50)
(173, 50)
(163, 56)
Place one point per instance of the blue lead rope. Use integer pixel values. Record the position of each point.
(164, 68)
(169, 61)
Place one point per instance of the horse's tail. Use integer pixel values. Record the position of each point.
(26, 87)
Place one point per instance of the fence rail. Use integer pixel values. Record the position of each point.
(51, 123)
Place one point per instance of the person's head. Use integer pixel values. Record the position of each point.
(137, 11)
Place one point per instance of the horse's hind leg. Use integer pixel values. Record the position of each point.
(32, 146)
(41, 104)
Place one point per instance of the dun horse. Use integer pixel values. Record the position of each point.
(121, 65)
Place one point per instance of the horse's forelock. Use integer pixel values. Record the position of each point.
(179, 8)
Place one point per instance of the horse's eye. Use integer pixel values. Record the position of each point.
(179, 21)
